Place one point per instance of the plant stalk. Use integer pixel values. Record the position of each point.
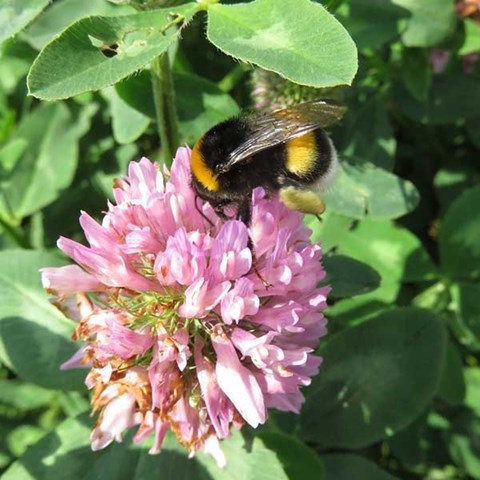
(164, 98)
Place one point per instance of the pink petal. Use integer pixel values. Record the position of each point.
(238, 382)
(68, 280)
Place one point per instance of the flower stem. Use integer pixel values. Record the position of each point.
(164, 98)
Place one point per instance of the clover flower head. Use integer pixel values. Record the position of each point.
(180, 332)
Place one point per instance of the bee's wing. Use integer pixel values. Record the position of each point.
(278, 127)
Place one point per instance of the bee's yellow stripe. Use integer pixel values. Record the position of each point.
(201, 171)
(301, 154)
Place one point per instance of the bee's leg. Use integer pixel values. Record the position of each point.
(296, 196)
(244, 214)
(200, 211)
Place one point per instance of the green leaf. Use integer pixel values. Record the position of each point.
(10, 154)
(452, 383)
(61, 14)
(346, 466)
(372, 23)
(459, 237)
(49, 162)
(466, 312)
(13, 72)
(463, 442)
(365, 190)
(16, 14)
(137, 92)
(200, 103)
(376, 378)
(366, 135)
(305, 50)
(246, 460)
(66, 453)
(452, 182)
(299, 461)
(452, 96)
(472, 397)
(390, 249)
(349, 277)
(330, 230)
(23, 437)
(430, 22)
(97, 52)
(353, 311)
(34, 335)
(409, 445)
(127, 123)
(393, 251)
(416, 72)
(24, 396)
(472, 37)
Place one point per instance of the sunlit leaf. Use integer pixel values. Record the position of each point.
(97, 52)
(34, 335)
(307, 49)
(16, 14)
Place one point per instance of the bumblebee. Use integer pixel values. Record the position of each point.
(286, 151)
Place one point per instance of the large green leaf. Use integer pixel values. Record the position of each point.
(430, 22)
(346, 466)
(48, 164)
(61, 14)
(349, 277)
(376, 378)
(34, 335)
(392, 250)
(96, 52)
(16, 14)
(299, 461)
(299, 40)
(459, 237)
(364, 190)
(246, 460)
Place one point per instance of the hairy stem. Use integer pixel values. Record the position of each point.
(164, 98)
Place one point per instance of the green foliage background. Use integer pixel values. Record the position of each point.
(398, 395)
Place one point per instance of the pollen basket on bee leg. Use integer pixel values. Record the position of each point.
(306, 201)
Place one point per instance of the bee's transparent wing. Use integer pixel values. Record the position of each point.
(283, 125)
